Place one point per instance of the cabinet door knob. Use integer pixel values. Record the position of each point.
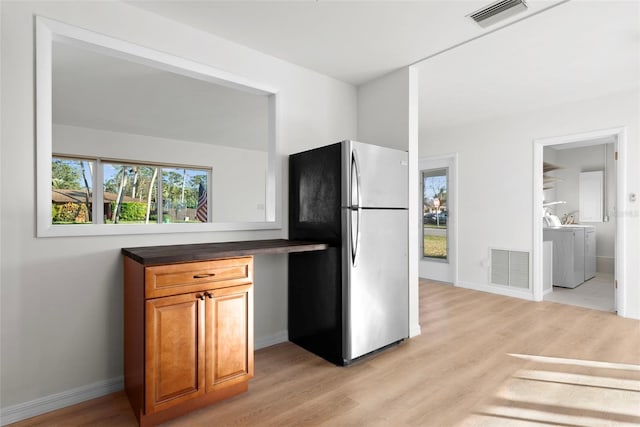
(200, 297)
(203, 276)
(208, 294)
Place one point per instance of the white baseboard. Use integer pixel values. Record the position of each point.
(605, 264)
(22, 411)
(500, 290)
(270, 340)
(414, 330)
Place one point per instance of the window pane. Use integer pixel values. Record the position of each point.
(130, 194)
(435, 213)
(71, 191)
(184, 195)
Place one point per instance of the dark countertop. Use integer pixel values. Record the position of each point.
(173, 254)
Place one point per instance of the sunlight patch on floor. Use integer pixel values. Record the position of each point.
(580, 380)
(576, 393)
(577, 362)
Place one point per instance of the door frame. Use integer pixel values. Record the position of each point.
(441, 273)
(620, 134)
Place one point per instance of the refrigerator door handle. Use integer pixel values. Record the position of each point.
(355, 188)
(355, 257)
(355, 180)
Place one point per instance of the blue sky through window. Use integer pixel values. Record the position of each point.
(433, 184)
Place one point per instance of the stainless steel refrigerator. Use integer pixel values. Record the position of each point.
(352, 299)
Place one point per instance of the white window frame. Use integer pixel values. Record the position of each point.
(423, 256)
(48, 31)
(441, 270)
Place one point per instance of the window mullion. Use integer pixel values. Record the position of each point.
(98, 194)
(160, 203)
(209, 196)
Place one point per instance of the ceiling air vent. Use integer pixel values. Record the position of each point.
(498, 11)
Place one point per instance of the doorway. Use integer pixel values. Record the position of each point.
(579, 193)
(560, 199)
(438, 197)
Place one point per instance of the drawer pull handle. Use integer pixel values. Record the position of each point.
(203, 276)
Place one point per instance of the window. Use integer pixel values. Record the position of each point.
(435, 213)
(181, 191)
(71, 191)
(131, 192)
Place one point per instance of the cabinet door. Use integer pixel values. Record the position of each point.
(590, 191)
(174, 350)
(229, 341)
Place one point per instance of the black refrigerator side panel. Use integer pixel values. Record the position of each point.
(315, 302)
(315, 195)
(315, 278)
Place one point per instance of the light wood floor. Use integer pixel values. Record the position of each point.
(482, 360)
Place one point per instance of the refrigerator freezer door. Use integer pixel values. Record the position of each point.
(377, 297)
(383, 176)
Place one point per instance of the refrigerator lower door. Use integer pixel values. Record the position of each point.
(376, 291)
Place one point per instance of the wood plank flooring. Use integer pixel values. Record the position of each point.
(482, 360)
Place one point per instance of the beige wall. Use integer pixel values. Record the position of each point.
(61, 298)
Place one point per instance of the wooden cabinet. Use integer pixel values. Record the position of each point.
(188, 335)
(188, 323)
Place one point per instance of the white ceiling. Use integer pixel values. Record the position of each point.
(576, 51)
(556, 52)
(353, 41)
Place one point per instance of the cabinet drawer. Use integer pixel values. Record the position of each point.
(173, 279)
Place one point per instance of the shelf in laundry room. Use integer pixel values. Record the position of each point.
(548, 181)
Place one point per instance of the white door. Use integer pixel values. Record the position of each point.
(439, 215)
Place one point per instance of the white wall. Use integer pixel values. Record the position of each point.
(383, 110)
(586, 159)
(246, 169)
(61, 298)
(387, 115)
(496, 180)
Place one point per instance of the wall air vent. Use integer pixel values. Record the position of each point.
(509, 268)
(497, 11)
